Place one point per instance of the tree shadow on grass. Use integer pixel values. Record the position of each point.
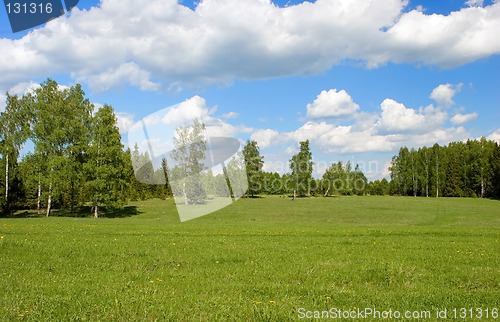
(77, 212)
(127, 211)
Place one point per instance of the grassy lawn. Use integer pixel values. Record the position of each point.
(256, 260)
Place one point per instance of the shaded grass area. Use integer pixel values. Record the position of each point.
(256, 260)
(81, 211)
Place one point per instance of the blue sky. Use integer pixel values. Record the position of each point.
(358, 79)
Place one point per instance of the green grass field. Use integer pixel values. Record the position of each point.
(256, 260)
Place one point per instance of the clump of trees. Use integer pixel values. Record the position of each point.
(339, 179)
(77, 158)
(460, 169)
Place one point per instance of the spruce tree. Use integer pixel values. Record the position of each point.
(253, 165)
(105, 167)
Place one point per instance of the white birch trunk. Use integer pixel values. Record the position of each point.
(49, 200)
(7, 179)
(39, 197)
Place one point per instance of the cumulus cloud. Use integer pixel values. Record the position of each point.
(26, 87)
(397, 118)
(446, 41)
(495, 136)
(266, 138)
(124, 121)
(18, 89)
(395, 125)
(474, 3)
(187, 111)
(156, 44)
(340, 139)
(463, 118)
(444, 93)
(3, 102)
(332, 103)
(127, 73)
(230, 115)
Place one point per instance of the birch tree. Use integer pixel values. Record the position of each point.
(14, 131)
(189, 153)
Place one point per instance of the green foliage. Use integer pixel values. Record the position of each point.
(253, 164)
(496, 172)
(14, 131)
(235, 170)
(105, 167)
(61, 133)
(64, 169)
(301, 165)
(342, 180)
(189, 153)
(378, 187)
(460, 169)
(259, 259)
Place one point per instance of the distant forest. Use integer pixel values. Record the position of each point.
(78, 162)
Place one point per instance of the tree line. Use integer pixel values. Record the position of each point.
(338, 179)
(78, 162)
(459, 169)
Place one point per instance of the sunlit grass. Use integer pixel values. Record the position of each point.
(258, 259)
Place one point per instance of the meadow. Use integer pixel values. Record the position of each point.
(262, 259)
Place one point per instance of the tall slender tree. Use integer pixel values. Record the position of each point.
(105, 167)
(189, 153)
(253, 164)
(301, 165)
(14, 131)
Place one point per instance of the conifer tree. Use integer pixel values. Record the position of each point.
(105, 167)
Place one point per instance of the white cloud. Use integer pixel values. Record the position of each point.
(332, 104)
(267, 138)
(124, 121)
(440, 136)
(223, 129)
(397, 118)
(126, 73)
(26, 87)
(155, 44)
(187, 111)
(463, 118)
(420, 8)
(474, 3)
(444, 93)
(384, 132)
(3, 101)
(495, 136)
(18, 89)
(230, 115)
(195, 107)
(447, 41)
